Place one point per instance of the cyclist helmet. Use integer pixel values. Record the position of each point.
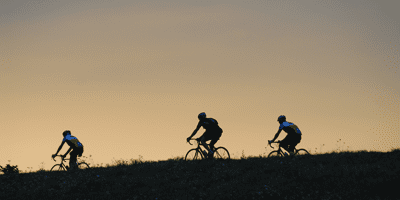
(67, 132)
(202, 115)
(282, 118)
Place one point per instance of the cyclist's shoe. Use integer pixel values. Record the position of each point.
(210, 155)
(73, 168)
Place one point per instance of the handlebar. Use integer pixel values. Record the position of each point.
(279, 141)
(63, 157)
(198, 141)
(194, 139)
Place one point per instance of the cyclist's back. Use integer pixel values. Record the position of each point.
(72, 141)
(209, 124)
(290, 128)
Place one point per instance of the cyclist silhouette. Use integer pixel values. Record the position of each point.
(213, 132)
(74, 144)
(293, 135)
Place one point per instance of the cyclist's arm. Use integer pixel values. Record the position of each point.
(70, 148)
(195, 130)
(276, 135)
(59, 148)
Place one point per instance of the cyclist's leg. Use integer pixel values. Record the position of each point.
(212, 143)
(285, 143)
(291, 147)
(72, 158)
(293, 141)
(212, 147)
(215, 137)
(296, 140)
(80, 152)
(205, 137)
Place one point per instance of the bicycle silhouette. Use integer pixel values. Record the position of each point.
(63, 167)
(280, 153)
(199, 154)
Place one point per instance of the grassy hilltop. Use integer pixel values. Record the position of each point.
(335, 175)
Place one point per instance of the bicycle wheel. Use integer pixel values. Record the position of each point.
(302, 152)
(221, 153)
(194, 154)
(83, 165)
(275, 154)
(57, 167)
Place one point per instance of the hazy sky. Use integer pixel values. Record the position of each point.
(129, 78)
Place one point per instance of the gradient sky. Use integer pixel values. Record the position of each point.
(129, 78)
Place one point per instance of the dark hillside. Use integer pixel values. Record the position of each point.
(346, 175)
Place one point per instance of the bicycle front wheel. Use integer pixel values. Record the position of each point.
(221, 153)
(275, 154)
(83, 165)
(302, 152)
(194, 154)
(57, 167)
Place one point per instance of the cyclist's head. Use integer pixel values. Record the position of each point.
(202, 116)
(67, 132)
(281, 118)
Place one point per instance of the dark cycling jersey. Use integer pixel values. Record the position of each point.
(290, 128)
(72, 141)
(209, 124)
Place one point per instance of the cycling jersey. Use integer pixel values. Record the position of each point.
(72, 141)
(290, 128)
(209, 123)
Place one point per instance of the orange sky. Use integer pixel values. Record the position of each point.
(129, 79)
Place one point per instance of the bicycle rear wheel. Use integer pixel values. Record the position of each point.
(275, 154)
(193, 154)
(57, 167)
(83, 165)
(221, 153)
(302, 152)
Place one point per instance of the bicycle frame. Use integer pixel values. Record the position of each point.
(62, 166)
(218, 152)
(63, 159)
(280, 152)
(280, 147)
(199, 144)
